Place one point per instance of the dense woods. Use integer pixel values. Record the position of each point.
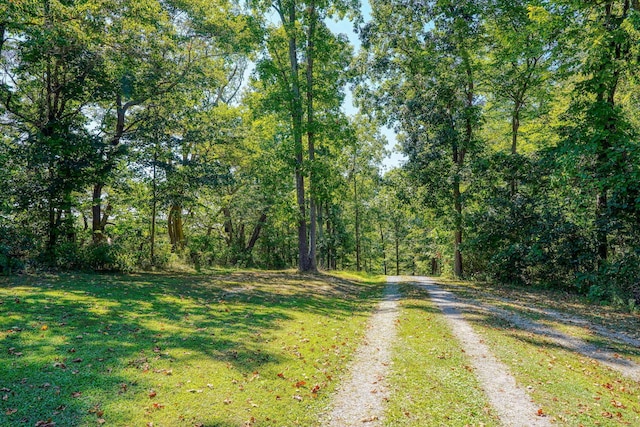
(214, 133)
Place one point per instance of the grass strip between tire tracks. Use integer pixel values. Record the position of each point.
(572, 389)
(432, 383)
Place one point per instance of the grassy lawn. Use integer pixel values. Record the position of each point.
(237, 349)
(432, 383)
(572, 389)
(518, 298)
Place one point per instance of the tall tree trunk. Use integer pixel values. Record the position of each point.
(96, 208)
(96, 211)
(52, 231)
(329, 238)
(175, 227)
(228, 226)
(357, 212)
(457, 235)
(154, 205)
(289, 23)
(515, 126)
(458, 159)
(609, 75)
(3, 27)
(397, 243)
(321, 237)
(311, 138)
(384, 248)
(256, 232)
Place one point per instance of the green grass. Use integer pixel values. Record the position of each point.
(610, 316)
(519, 300)
(432, 382)
(237, 349)
(571, 389)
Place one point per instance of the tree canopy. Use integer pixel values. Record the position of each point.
(217, 133)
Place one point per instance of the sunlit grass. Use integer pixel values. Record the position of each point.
(245, 348)
(432, 382)
(570, 388)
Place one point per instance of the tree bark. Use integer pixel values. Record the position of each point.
(175, 228)
(3, 27)
(98, 229)
(154, 205)
(457, 254)
(311, 138)
(515, 126)
(289, 23)
(357, 213)
(384, 249)
(256, 233)
(397, 243)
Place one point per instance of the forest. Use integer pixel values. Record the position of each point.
(139, 134)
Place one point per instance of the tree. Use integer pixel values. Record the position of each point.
(49, 78)
(295, 16)
(427, 72)
(184, 43)
(603, 132)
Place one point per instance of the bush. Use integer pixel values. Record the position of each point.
(15, 248)
(619, 279)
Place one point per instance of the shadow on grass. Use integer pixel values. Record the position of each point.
(69, 342)
(537, 334)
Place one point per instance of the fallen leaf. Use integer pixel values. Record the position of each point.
(101, 421)
(298, 398)
(152, 394)
(281, 375)
(11, 411)
(76, 394)
(227, 401)
(315, 389)
(617, 404)
(78, 360)
(540, 413)
(44, 327)
(299, 384)
(47, 423)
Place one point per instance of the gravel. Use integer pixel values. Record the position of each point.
(360, 400)
(510, 401)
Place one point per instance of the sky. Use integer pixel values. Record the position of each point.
(346, 27)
